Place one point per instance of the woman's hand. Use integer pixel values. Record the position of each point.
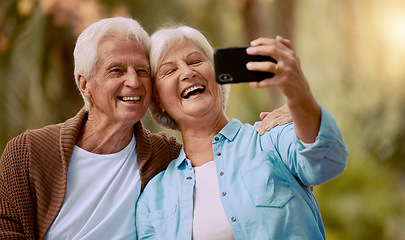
(290, 79)
(278, 116)
(288, 75)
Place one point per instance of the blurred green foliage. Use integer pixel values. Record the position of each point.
(352, 53)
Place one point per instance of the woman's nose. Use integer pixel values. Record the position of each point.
(186, 72)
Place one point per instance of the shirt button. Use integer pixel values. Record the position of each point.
(189, 178)
(233, 219)
(219, 154)
(216, 138)
(221, 173)
(223, 193)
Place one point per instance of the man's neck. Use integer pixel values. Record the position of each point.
(104, 138)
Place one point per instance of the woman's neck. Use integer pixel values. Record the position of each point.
(197, 139)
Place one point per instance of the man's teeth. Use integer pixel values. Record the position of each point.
(187, 91)
(125, 99)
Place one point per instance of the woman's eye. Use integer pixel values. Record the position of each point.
(166, 70)
(195, 62)
(170, 71)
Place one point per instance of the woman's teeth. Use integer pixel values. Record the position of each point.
(186, 93)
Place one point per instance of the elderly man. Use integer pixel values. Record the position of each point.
(81, 178)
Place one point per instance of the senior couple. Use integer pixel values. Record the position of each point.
(81, 179)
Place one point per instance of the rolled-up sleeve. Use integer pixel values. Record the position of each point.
(322, 161)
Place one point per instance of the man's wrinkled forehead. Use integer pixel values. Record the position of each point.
(109, 50)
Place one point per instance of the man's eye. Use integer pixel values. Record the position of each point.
(116, 70)
(142, 72)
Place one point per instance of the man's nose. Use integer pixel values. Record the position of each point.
(132, 79)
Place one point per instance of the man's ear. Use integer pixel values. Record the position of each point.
(155, 99)
(82, 84)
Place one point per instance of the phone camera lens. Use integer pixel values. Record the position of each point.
(225, 77)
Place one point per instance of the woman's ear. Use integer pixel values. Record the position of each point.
(155, 99)
(82, 84)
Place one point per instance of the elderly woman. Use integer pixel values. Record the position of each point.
(229, 182)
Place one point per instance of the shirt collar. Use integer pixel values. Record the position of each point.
(181, 158)
(229, 131)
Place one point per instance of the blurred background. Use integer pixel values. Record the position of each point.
(352, 52)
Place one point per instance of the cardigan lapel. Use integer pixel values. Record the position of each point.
(143, 148)
(50, 204)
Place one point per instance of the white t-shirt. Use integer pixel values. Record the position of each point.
(101, 194)
(209, 220)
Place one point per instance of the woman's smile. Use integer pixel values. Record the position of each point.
(192, 91)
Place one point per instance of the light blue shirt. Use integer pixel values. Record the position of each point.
(263, 184)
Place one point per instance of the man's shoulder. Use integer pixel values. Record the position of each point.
(159, 136)
(54, 130)
(47, 136)
(158, 140)
(44, 130)
(34, 134)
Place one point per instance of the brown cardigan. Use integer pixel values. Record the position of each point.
(33, 173)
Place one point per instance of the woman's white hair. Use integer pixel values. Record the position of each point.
(85, 52)
(161, 41)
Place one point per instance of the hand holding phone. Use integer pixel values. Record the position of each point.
(230, 66)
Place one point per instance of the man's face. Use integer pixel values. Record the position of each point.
(120, 89)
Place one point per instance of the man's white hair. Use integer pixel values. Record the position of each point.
(85, 52)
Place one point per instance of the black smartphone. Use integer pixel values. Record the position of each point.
(230, 66)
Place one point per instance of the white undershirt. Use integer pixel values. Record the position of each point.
(209, 221)
(101, 194)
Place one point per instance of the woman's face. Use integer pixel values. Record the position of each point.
(185, 83)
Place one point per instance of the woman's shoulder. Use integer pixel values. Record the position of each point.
(245, 129)
(166, 175)
(163, 180)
